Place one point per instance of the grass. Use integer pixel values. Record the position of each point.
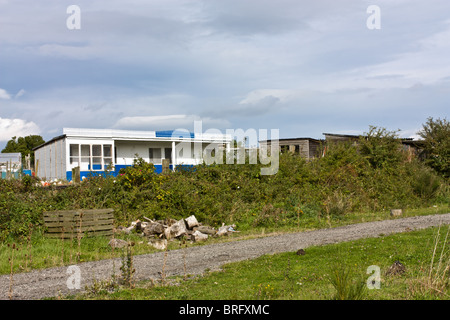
(37, 251)
(312, 276)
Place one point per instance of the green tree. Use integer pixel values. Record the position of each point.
(436, 135)
(381, 147)
(24, 145)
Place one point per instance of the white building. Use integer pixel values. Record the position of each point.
(100, 150)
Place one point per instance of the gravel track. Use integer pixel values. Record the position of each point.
(39, 284)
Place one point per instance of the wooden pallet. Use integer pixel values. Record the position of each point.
(70, 224)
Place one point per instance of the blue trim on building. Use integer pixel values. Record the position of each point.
(174, 134)
(89, 174)
(115, 172)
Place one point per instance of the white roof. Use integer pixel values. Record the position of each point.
(179, 135)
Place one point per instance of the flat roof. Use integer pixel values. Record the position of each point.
(113, 134)
(50, 141)
(342, 135)
(142, 135)
(292, 139)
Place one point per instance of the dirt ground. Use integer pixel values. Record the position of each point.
(52, 282)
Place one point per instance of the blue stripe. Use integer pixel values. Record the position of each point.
(115, 173)
(174, 134)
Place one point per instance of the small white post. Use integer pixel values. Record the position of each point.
(173, 155)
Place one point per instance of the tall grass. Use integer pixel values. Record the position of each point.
(346, 287)
(433, 280)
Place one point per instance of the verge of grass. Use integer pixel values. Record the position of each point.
(307, 277)
(37, 251)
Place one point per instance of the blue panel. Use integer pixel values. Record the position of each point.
(115, 173)
(158, 168)
(90, 174)
(174, 133)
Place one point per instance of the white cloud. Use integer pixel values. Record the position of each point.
(17, 127)
(20, 93)
(4, 94)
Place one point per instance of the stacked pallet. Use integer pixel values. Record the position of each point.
(70, 224)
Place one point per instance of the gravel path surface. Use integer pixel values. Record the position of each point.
(51, 282)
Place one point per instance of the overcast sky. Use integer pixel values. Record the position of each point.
(303, 67)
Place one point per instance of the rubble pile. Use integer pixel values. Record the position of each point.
(158, 232)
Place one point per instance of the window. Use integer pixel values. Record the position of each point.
(91, 157)
(154, 155)
(85, 157)
(168, 154)
(74, 156)
(107, 155)
(96, 157)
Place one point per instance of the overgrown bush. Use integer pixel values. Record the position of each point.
(349, 178)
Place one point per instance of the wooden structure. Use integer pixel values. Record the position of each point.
(70, 224)
(165, 165)
(76, 175)
(412, 147)
(335, 137)
(307, 148)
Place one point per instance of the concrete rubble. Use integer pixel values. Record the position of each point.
(159, 232)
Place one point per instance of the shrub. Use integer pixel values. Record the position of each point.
(381, 148)
(426, 184)
(436, 135)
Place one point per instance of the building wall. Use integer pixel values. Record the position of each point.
(315, 149)
(306, 148)
(50, 160)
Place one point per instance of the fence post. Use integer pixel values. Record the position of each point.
(76, 175)
(165, 165)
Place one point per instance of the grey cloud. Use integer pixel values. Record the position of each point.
(247, 110)
(95, 106)
(252, 17)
